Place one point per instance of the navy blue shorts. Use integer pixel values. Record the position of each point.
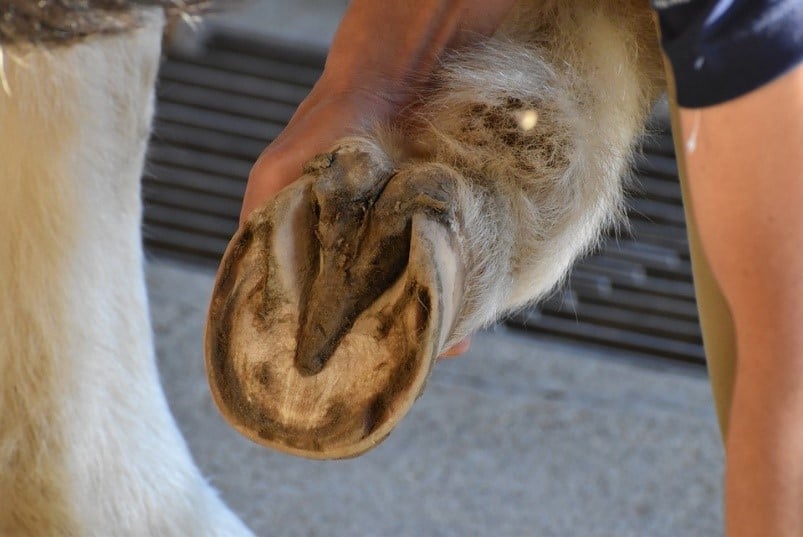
(721, 49)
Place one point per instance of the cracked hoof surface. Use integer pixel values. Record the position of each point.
(332, 304)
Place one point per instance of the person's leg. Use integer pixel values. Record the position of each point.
(745, 177)
(715, 317)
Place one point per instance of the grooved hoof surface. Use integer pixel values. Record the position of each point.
(330, 308)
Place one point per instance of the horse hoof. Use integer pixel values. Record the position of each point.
(332, 304)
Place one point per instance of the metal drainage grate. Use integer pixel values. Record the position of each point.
(217, 110)
(636, 293)
(215, 113)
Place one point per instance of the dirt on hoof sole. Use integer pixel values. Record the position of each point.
(331, 306)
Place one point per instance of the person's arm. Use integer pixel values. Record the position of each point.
(382, 52)
(745, 171)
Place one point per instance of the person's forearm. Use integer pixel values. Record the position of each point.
(745, 174)
(389, 46)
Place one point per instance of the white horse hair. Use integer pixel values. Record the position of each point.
(87, 443)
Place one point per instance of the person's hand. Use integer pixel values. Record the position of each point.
(320, 121)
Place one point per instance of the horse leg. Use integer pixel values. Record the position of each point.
(87, 443)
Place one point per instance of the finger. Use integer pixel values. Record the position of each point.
(275, 169)
(457, 349)
(281, 162)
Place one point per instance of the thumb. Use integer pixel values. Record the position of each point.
(457, 349)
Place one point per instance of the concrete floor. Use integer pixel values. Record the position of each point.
(522, 437)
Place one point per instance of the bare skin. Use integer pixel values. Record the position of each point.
(746, 181)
